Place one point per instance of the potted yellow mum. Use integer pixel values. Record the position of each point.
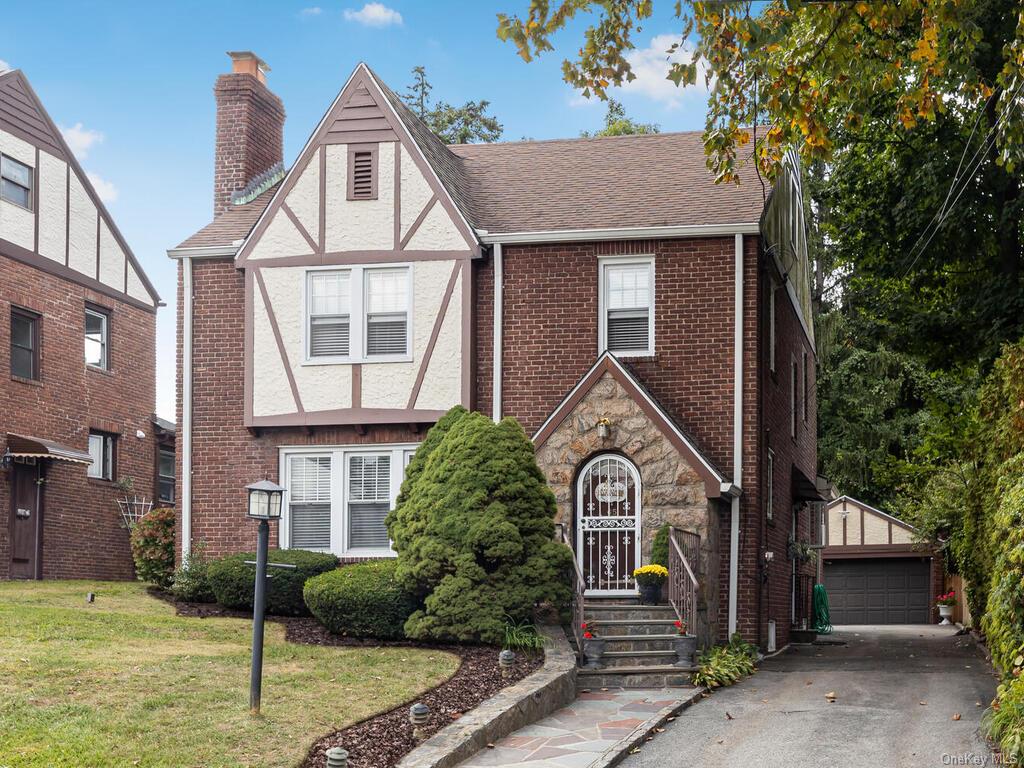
(649, 579)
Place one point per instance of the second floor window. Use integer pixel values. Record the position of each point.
(24, 344)
(101, 451)
(15, 182)
(627, 306)
(357, 314)
(165, 478)
(97, 338)
(769, 491)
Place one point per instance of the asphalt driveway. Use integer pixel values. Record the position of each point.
(898, 692)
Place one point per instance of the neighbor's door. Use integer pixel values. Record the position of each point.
(25, 521)
(608, 525)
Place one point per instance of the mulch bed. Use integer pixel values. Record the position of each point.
(383, 740)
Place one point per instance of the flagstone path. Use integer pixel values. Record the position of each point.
(582, 734)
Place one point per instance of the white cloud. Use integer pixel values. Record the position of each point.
(651, 66)
(105, 189)
(316, 10)
(4, 66)
(374, 15)
(81, 139)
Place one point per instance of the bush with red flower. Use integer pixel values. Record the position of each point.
(680, 628)
(589, 630)
(947, 599)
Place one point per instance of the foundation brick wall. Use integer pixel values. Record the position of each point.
(82, 532)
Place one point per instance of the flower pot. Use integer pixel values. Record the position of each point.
(685, 647)
(650, 594)
(945, 611)
(593, 650)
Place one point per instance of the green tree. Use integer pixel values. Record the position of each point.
(616, 123)
(475, 534)
(464, 124)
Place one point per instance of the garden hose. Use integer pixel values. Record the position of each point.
(822, 620)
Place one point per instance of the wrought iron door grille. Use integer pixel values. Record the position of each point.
(608, 522)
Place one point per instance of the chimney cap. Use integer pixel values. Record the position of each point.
(247, 62)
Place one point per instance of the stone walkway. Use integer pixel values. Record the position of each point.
(585, 733)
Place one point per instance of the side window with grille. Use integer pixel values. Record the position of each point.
(309, 502)
(627, 307)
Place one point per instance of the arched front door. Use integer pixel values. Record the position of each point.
(608, 524)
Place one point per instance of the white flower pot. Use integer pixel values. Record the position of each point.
(945, 611)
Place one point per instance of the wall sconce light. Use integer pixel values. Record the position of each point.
(769, 556)
(603, 428)
(5, 459)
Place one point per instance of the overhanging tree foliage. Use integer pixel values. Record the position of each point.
(617, 123)
(467, 124)
(474, 531)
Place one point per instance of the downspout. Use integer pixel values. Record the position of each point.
(186, 407)
(496, 345)
(737, 435)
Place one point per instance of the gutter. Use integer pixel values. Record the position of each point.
(186, 407)
(499, 292)
(737, 435)
(618, 233)
(205, 251)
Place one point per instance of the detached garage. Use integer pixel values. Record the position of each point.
(873, 569)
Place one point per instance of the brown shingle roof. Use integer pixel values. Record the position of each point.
(233, 224)
(610, 182)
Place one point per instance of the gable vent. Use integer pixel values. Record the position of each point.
(362, 176)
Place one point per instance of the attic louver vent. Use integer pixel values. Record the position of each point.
(362, 176)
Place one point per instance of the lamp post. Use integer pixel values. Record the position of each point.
(264, 505)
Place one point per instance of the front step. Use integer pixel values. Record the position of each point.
(663, 676)
(620, 627)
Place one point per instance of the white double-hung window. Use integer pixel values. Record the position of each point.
(626, 304)
(358, 314)
(338, 497)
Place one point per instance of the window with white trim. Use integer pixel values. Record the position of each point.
(97, 338)
(101, 451)
(771, 325)
(309, 502)
(627, 306)
(339, 497)
(803, 377)
(387, 311)
(793, 397)
(769, 491)
(358, 314)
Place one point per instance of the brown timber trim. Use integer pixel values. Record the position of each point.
(357, 386)
(419, 220)
(36, 199)
(347, 416)
(350, 176)
(322, 213)
(876, 550)
(26, 256)
(280, 342)
(249, 352)
(468, 361)
(313, 245)
(862, 525)
(890, 531)
(341, 258)
(712, 483)
(844, 530)
(397, 216)
(98, 223)
(67, 215)
(434, 333)
(371, 136)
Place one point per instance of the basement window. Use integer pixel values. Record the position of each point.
(362, 172)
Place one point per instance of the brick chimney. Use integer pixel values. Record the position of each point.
(250, 127)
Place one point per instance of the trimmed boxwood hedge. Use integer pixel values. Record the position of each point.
(233, 581)
(361, 600)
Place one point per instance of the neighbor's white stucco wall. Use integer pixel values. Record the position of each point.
(270, 389)
(442, 384)
(416, 192)
(111, 258)
(304, 199)
(53, 207)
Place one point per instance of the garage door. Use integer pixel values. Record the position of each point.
(878, 591)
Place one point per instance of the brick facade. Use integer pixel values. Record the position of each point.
(82, 532)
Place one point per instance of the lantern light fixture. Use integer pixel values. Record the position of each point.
(265, 500)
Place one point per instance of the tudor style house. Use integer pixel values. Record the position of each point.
(77, 347)
(650, 330)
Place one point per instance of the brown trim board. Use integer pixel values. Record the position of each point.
(434, 333)
(876, 550)
(313, 245)
(280, 342)
(414, 228)
(347, 417)
(339, 258)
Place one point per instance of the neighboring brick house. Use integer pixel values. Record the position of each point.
(653, 333)
(73, 424)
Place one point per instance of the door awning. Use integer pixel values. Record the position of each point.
(805, 489)
(20, 446)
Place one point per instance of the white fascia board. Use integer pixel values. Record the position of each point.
(203, 252)
(619, 233)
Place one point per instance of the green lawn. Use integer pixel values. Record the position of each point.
(125, 682)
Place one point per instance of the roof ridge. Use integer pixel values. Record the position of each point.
(573, 139)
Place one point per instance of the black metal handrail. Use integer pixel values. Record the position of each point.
(684, 547)
(579, 589)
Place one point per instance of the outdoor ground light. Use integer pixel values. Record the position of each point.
(264, 500)
(506, 661)
(419, 714)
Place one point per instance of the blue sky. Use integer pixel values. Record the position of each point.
(131, 84)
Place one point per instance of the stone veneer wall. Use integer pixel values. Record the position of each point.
(672, 492)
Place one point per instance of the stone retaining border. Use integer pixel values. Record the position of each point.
(535, 696)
